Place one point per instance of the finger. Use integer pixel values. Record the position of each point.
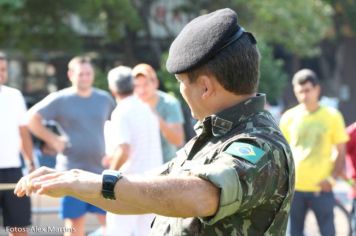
(39, 172)
(24, 187)
(28, 186)
(48, 181)
(46, 177)
(51, 188)
(19, 190)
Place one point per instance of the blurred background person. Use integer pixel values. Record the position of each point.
(313, 132)
(167, 108)
(14, 136)
(134, 130)
(81, 112)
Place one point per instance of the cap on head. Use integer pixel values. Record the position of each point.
(145, 70)
(203, 38)
(120, 79)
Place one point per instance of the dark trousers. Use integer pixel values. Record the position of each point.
(353, 217)
(322, 205)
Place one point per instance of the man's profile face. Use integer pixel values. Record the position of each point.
(191, 92)
(82, 76)
(307, 93)
(3, 71)
(144, 87)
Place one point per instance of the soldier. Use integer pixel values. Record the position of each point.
(235, 177)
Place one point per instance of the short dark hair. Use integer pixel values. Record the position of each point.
(304, 76)
(3, 56)
(236, 67)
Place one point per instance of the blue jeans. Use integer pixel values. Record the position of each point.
(322, 205)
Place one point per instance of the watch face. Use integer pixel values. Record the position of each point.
(110, 178)
(109, 182)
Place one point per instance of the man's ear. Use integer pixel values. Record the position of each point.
(69, 74)
(156, 82)
(207, 85)
(318, 88)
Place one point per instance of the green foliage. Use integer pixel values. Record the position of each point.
(45, 26)
(296, 25)
(101, 80)
(169, 81)
(33, 24)
(112, 16)
(42, 25)
(272, 78)
(344, 16)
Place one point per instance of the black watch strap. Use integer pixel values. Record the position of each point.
(110, 178)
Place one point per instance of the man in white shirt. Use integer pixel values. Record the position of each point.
(166, 107)
(14, 136)
(135, 145)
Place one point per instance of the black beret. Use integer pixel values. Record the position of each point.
(201, 39)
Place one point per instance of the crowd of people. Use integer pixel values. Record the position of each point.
(123, 156)
(130, 133)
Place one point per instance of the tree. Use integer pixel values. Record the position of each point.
(339, 54)
(35, 25)
(61, 25)
(274, 22)
(273, 77)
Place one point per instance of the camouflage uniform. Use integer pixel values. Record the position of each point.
(256, 189)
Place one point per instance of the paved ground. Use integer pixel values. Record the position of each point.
(47, 222)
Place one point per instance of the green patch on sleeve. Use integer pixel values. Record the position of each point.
(245, 151)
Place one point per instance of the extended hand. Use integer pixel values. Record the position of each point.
(49, 182)
(106, 161)
(325, 185)
(59, 144)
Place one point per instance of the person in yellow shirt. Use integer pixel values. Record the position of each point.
(317, 137)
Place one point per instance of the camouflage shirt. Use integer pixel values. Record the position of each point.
(241, 151)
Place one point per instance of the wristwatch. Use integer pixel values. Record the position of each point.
(110, 178)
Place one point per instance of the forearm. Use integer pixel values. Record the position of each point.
(38, 129)
(339, 163)
(116, 206)
(26, 144)
(169, 196)
(117, 162)
(119, 157)
(174, 133)
(175, 196)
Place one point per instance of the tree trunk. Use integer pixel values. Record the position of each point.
(345, 80)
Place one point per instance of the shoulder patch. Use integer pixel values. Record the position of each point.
(246, 151)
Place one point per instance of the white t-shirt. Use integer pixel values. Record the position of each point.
(12, 116)
(134, 123)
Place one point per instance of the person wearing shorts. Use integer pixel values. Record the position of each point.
(81, 112)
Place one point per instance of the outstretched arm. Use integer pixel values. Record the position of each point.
(174, 196)
(27, 147)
